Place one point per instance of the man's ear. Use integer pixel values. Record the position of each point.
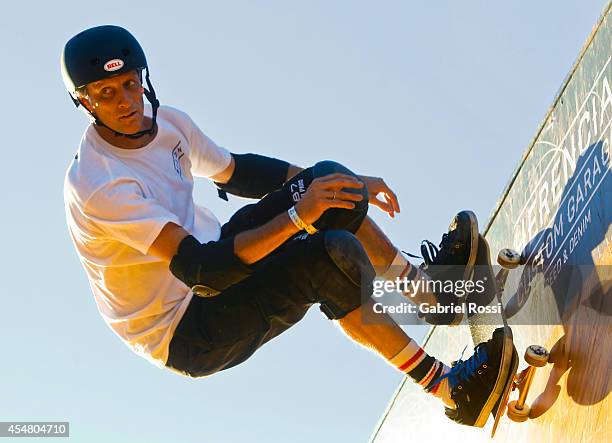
(85, 103)
(84, 100)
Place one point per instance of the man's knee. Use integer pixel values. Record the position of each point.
(348, 255)
(350, 259)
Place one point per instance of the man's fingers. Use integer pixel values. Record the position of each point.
(339, 195)
(337, 185)
(389, 198)
(385, 206)
(339, 181)
(335, 176)
(329, 203)
(393, 199)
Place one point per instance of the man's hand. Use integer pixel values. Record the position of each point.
(377, 186)
(325, 193)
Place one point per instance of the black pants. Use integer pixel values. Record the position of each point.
(216, 333)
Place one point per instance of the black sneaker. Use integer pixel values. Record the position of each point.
(453, 260)
(478, 383)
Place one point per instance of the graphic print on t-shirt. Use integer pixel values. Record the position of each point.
(177, 154)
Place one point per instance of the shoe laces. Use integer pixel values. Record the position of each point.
(462, 370)
(429, 251)
(432, 253)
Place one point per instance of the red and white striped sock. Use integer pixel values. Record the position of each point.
(423, 369)
(401, 269)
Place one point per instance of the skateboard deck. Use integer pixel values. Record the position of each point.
(499, 408)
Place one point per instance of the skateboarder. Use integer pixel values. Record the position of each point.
(198, 297)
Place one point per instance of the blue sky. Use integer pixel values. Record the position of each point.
(439, 98)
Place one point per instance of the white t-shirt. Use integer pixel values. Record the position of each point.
(117, 201)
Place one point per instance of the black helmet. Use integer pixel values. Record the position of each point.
(102, 52)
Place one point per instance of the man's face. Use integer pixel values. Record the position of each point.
(117, 101)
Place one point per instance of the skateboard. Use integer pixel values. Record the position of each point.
(536, 357)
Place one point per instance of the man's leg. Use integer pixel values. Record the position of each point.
(379, 333)
(378, 246)
(454, 261)
(386, 338)
(383, 335)
(471, 388)
(387, 259)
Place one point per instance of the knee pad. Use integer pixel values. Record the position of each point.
(334, 218)
(349, 257)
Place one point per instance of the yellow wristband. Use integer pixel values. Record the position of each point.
(298, 222)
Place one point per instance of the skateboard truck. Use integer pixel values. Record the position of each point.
(518, 410)
(536, 357)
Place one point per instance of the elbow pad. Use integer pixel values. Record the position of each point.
(254, 176)
(208, 268)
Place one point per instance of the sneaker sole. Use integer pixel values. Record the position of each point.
(469, 266)
(507, 364)
(484, 270)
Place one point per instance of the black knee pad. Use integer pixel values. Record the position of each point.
(350, 258)
(334, 218)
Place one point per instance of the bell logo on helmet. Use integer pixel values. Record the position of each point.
(113, 65)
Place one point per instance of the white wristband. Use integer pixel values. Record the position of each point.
(298, 222)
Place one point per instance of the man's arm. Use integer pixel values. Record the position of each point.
(249, 246)
(254, 244)
(167, 242)
(376, 188)
(251, 176)
(322, 194)
(225, 175)
(221, 263)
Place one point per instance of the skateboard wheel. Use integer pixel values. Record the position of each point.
(536, 356)
(518, 415)
(509, 258)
